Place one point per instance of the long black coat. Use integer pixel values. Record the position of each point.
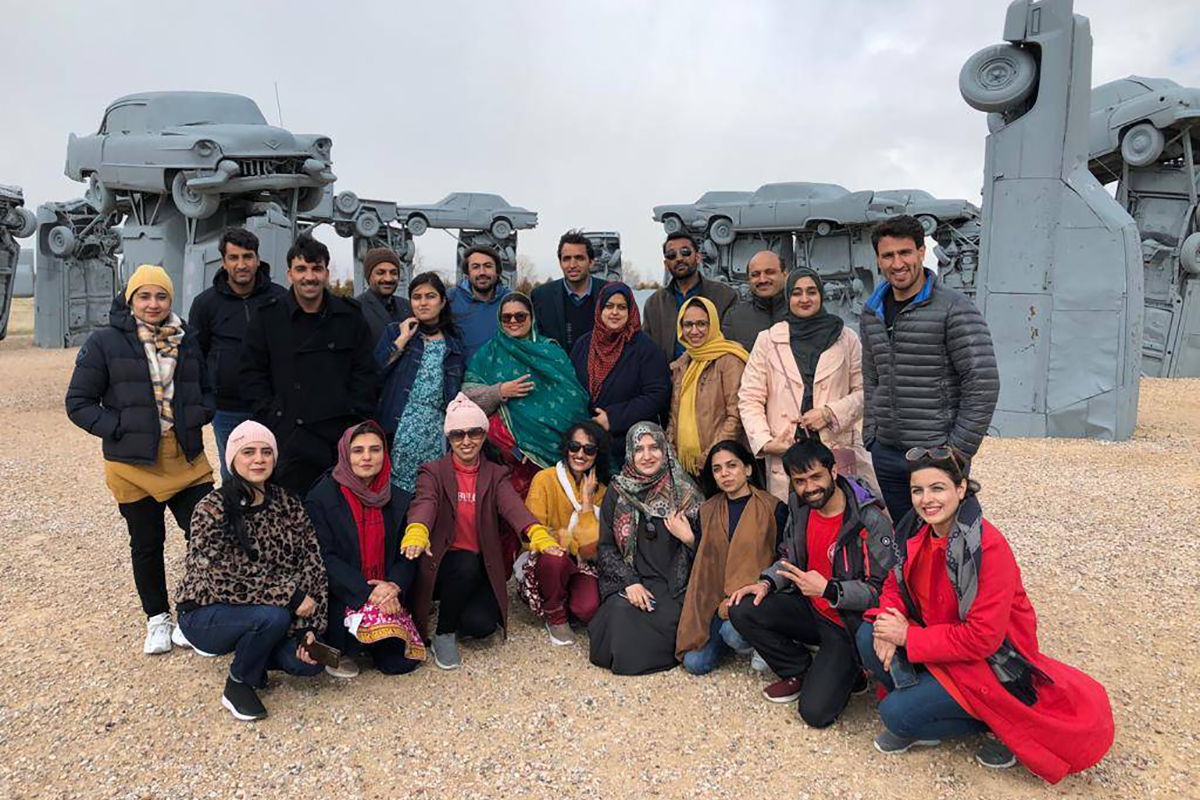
(338, 537)
(110, 394)
(638, 389)
(219, 319)
(308, 392)
(376, 314)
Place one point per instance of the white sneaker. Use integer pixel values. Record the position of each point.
(158, 634)
(758, 663)
(347, 668)
(179, 640)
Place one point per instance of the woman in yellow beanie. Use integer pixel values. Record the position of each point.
(139, 384)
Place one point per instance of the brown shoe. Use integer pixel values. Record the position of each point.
(784, 691)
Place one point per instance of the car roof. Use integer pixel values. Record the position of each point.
(800, 190)
(1125, 89)
(147, 97)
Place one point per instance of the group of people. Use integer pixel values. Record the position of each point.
(733, 477)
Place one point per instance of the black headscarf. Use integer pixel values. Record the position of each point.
(810, 336)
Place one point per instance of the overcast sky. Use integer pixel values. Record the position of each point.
(588, 113)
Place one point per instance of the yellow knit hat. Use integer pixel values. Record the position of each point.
(149, 275)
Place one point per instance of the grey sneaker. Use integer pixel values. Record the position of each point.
(994, 755)
(758, 663)
(445, 651)
(346, 668)
(561, 634)
(890, 743)
(158, 634)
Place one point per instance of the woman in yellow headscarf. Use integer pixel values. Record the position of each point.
(704, 385)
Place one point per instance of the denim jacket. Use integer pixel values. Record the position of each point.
(398, 374)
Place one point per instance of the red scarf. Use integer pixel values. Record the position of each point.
(607, 345)
(366, 503)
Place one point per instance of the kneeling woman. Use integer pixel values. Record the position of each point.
(649, 530)
(358, 521)
(740, 527)
(954, 639)
(253, 582)
(454, 527)
(566, 499)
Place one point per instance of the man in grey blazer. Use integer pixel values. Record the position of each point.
(379, 302)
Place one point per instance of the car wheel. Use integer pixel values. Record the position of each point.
(100, 196)
(417, 225)
(191, 203)
(501, 229)
(1142, 145)
(997, 78)
(824, 228)
(1189, 254)
(928, 224)
(28, 223)
(346, 202)
(344, 229)
(367, 224)
(310, 197)
(672, 224)
(721, 230)
(61, 241)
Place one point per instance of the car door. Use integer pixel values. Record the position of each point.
(124, 149)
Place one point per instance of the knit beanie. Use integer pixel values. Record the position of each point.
(249, 431)
(462, 415)
(376, 256)
(149, 275)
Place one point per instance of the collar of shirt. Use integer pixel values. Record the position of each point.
(579, 299)
(293, 306)
(680, 297)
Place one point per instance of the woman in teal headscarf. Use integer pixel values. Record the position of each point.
(527, 386)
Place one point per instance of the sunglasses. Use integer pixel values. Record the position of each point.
(517, 317)
(588, 449)
(459, 435)
(684, 252)
(933, 453)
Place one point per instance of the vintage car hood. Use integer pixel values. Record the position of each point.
(238, 140)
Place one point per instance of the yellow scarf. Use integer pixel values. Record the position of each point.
(712, 348)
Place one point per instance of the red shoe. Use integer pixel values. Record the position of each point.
(784, 691)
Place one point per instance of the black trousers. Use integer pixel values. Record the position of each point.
(147, 535)
(779, 629)
(467, 605)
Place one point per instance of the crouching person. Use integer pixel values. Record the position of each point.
(954, 640)
(253, 582)
(454, 528)
(834, 555)
(358, 521)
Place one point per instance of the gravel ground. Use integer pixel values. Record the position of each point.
(83, 714)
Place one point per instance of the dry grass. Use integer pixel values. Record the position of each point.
(20, 317)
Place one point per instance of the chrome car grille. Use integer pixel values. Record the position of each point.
(260, 167)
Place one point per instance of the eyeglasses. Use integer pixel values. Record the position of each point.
(934, 453)
(517, 317)
(588, 449)
(684, 252)
(459, 435)
(694, 325)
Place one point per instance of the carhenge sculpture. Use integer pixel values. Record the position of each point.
(1060, 271)
(16, 222)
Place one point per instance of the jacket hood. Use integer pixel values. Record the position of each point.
(875, 303)
(262, 279)
(120, 316)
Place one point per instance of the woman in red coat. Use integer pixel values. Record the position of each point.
(954, 641)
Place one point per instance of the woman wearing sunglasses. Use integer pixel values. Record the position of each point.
(454, 530)
(954, 640)
(526, 385)
(566, 499)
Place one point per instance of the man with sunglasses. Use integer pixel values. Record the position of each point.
(928, 366)
(681, 257)
(565, 309)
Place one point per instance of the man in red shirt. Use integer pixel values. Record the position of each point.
(834, 553)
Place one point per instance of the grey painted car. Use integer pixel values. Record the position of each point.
(1132, 119)
(199, 146)
(16, 222)
(470, 210)
(677, 217)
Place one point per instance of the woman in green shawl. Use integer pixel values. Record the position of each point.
(526, 385)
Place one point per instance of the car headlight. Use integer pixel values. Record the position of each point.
(322, 147)
(205, 148)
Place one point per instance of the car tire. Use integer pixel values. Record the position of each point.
(61, 241)
(721, 230)
(824, 228)
(347, 202)
(344, 229)
(28, 223)
(367, 224)
(310, 197)
(501, 229)
(998, 78)
(672, 224)
(100, 196)
(417, 225)
(1142, 145)
(929, 223)
(190, 203)
(1189, 254)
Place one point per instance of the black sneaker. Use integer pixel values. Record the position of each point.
(994, 755)
(861, 684)
(242, 701)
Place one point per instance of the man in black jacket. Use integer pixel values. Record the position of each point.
(928, 367)
(681, 257)
(566, 308)
(308, 371)
(218, 320)
(834, 555)
(380, 305)
(746, 319)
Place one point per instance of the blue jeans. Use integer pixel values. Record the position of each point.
(925, 711)
(256, 635)
(223, 424)
(721, 637)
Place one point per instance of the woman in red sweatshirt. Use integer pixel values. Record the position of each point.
(954, 641)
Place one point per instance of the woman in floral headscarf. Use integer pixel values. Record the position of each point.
(649, 531)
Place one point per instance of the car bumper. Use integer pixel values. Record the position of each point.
(228, 177)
